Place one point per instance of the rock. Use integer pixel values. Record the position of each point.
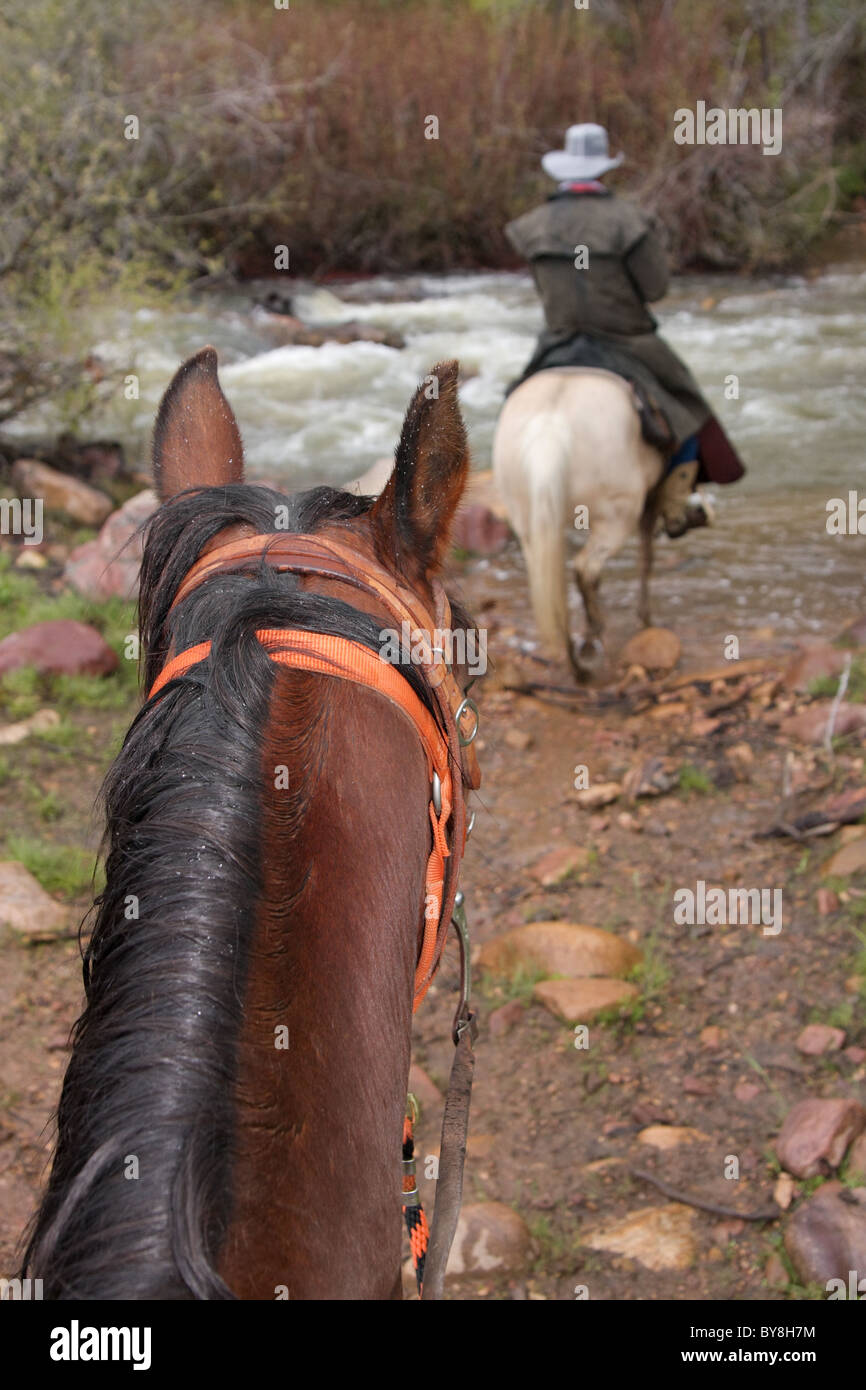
(775, 1272)
(109, 565)
(654, 648)
(810, 663)
(477, 529)
(31, 558)
(518, 739)
(657, 1237)
(578, 1001)
(37, 723)
(818, 1038)
(424, 1087)
(746, 1091)
(856, 1167)
(850, 859)
(670, 1136)
(826, 1237)
(504, 1018)
(712, 1036)
(26, 908)
(558, 948)
(61, 492)
(559, 865)
(815, 1135)
(600, 795)
(810, 725)
(649, 777)
(827, 902)
(61, 646)
(490, 1238)
(783, 1192)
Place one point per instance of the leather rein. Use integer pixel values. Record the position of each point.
(452, 766)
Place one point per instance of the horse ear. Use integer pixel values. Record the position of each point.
(196, 440)
(412, 517)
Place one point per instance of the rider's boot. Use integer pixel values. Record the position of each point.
(679, 506)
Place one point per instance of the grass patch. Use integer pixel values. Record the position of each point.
(824, 687)
(64, 869)
(518, 985)
(694, 779)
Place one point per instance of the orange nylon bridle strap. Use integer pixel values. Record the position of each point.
(338, 656)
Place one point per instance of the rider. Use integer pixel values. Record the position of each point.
(598, 261)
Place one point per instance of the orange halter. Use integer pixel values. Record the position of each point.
(446, 747)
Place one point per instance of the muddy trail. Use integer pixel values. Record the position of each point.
(632, 1157)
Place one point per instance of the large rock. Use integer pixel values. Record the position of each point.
(477, 529)
(812, 662)
(810, 725)
(61, 492)
(26, 908)
(826, 1236)
(818, 1038)
(815, 1135)
(654, 648)
(108, 566)
(61, 646)
(558, 948)
(657, 1237)
(490, 1238)
(578, 1001)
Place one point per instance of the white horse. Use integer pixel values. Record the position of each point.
(569, 438)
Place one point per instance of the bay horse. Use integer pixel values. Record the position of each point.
(569, 438)
(231, 1119)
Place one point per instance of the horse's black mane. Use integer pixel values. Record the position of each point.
(139, 1196)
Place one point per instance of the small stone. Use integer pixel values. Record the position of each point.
(783, 1192)
(815, 1135)
(827, 902)
(712, 1037)
(600, 795)
(559, 865)
(819, 1038)
(670, 1136)
(558, 948)
(60, 646)
(578, 1001)
(26, 908)
(654, 648)
(518, 739)
(504, 1018)
(746, 1091)
(850, 859)
(775, 1272)
(490, 1237)
(826, 1239)
(61, 492)
(30, 558)
(39, 722)
(659, 1238)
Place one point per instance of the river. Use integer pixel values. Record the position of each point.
(796, 346)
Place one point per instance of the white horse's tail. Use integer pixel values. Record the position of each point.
(545, 456)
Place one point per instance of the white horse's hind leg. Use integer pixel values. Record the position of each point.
(604, 542)
(647, 530)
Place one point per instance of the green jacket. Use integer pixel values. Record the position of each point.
(625, 269)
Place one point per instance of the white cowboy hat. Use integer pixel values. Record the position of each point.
(585, 156)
